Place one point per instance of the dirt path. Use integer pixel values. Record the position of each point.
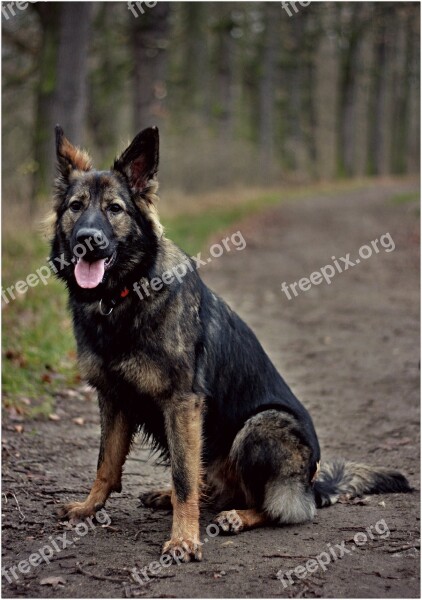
(350, 351)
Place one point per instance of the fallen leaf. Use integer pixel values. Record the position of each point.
(361, 501)
(79, 420)
(54, 581)
(53, 417)
(15, 413)
(18, 428)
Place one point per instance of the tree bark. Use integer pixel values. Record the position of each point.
(267, 92)
(401, 98)
(61, 93)
(71, 94)
(349, 69)
(377, 102)
(149, 33)
(43, 141)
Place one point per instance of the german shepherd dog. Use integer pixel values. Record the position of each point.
(180, 366)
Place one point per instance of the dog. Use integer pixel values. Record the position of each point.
(180, 366)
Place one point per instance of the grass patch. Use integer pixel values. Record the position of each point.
(406, 197)
(38, 347)
(191, 232)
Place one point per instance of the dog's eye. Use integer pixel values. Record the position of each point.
(76, 205)
(115, 208)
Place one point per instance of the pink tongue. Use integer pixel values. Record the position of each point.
(89, 275)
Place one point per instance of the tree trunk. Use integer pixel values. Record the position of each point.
(61, 96)
(194, 78)
(43, 141)
(349, 70)
(267, 92)
(400, 121)
(225, 78)
(149, 43)
(71, 94)
(377, 102)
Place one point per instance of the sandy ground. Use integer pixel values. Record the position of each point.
(350, 351)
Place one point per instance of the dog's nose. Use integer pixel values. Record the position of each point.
(88, 234)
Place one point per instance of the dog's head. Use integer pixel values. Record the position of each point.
(106, 228)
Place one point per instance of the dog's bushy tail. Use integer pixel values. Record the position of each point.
(348, 479)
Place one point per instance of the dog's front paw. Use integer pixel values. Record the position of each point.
(74, 512)
(228, 522)
(183, 550)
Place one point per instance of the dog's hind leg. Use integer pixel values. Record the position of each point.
(116, 437)
(274, 471)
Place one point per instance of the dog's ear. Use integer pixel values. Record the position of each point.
(139, 162)
(70, 158)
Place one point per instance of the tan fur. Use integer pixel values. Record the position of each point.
(145, 374)
(252, 518)
(109, 474)
(147, 204)
(184, 431)
(235, 521)
(79, 158)
(90, 368)
(317, 471)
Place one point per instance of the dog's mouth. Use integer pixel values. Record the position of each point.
(90, 274)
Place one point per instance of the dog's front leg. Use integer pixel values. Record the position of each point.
(116, 437)
(183, 421)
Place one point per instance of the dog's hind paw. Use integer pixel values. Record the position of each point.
(157, 499)
(229, 522)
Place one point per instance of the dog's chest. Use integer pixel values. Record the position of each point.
(113, 358)
(140, 356)
(138, 372)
